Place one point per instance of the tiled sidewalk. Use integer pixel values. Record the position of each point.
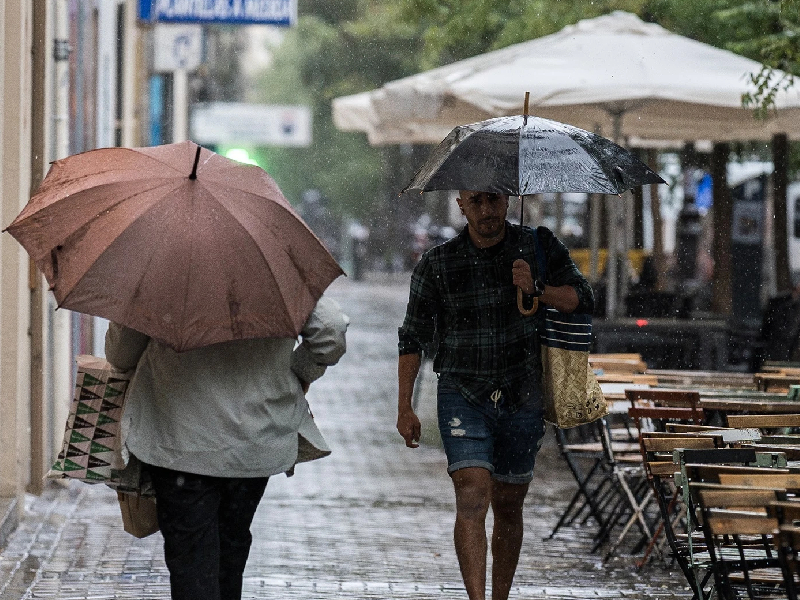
(373, 520)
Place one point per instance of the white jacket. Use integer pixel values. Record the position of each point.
(234, 409)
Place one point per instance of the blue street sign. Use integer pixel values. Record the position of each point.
(238, 12)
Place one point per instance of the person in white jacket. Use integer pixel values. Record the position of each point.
(210, 426)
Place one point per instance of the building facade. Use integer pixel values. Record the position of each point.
(69, 77)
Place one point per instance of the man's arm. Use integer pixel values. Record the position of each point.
(563, 298)
(562, 270)
(417, 331)
(323, 343)
(408, 424)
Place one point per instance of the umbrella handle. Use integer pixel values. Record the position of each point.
(527, 312)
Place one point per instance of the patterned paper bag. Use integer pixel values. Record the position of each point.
(91, 448)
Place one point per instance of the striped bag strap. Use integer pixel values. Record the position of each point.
(572, 331)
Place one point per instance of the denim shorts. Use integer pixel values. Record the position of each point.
(499, 437)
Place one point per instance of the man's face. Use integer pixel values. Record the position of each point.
(485, 212)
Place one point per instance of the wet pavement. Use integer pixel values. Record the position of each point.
(373, 520)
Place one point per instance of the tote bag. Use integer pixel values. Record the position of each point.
(90, 451)
(572, 395)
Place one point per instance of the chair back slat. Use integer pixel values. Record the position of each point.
(786, 481)
(720, 456)
(668, 444)
(723, 523)
(764, 421)
(710, 473)
(675, 413)
(662, 397)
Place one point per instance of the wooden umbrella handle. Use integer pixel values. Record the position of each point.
(521, 306)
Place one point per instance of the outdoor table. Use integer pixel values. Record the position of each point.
(704, 379)
(750, 405)
(782, 381)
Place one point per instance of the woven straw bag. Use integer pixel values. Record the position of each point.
(572, 395)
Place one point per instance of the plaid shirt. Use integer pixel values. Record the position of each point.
(462, 309)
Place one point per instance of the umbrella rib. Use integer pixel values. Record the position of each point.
(267, 223)
(144, 272)
(123, 198)
(240, 224)
(162, 162)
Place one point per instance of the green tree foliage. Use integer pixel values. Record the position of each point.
(767, 31)
(456, 29)
(337, 48)
(777, 45)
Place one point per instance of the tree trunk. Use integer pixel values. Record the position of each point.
(722, 300)
(780, 152)
(659, 261)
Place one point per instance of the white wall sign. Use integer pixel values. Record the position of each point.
(177, 47)
(260, 124)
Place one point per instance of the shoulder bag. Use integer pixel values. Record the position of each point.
(572, 395)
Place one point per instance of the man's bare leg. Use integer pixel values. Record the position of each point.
(507, 501)
(473, 487)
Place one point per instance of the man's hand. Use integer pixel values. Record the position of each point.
(521, 273)
(409, 427)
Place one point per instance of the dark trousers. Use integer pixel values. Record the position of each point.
(205, 522)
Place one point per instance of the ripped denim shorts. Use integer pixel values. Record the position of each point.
(496, 436)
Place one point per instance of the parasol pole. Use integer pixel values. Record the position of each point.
(520, 304)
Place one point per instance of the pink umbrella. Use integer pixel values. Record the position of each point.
(177, 242)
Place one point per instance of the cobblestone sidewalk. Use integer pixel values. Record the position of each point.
(373, 520)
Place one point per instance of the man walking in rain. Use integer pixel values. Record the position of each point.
(463, 301)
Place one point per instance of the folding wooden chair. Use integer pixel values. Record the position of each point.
(584, 450)
(658, 452)
(787, 541)
(739, 537)
(704, 466)
(685, 403)
(637, 491)
(633, 497)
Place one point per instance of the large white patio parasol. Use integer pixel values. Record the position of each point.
(616, 73)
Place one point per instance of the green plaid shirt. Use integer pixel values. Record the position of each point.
(462, 310)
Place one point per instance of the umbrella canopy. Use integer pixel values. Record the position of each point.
(615, 72)
(177, 242)
(522, 155)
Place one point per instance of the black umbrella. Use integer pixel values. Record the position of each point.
(521, 155)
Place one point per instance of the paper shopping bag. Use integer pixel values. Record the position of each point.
(139, 516)
(91, 448)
